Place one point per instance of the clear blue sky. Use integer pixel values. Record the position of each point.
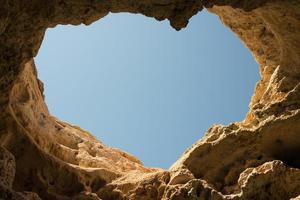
(139, 85)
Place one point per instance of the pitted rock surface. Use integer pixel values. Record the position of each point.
(42, 157)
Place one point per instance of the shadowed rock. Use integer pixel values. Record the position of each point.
(258, 158)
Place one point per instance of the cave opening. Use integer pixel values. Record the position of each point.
(281, 145)
(289, 155)
(139, 85)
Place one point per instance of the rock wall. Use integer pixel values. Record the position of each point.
(42, 157)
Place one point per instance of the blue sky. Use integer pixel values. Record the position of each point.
(139, 85)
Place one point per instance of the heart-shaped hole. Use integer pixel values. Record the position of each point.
(141, 86)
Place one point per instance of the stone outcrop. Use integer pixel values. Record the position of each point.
(42, 157)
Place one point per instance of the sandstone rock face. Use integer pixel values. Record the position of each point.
(42, 157)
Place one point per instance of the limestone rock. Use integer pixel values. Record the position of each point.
(296, 198)
(7, 167)
(272, 180)
(7, 174)
(42, 157)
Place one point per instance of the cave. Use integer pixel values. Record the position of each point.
(42, 157)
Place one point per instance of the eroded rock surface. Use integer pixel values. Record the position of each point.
(42, 157)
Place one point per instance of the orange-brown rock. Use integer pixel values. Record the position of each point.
(42, 157)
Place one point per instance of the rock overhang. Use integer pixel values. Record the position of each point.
(59, 161)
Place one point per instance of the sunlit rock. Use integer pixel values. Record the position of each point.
(258, 158)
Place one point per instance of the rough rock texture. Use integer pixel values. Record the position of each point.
(44, 158)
